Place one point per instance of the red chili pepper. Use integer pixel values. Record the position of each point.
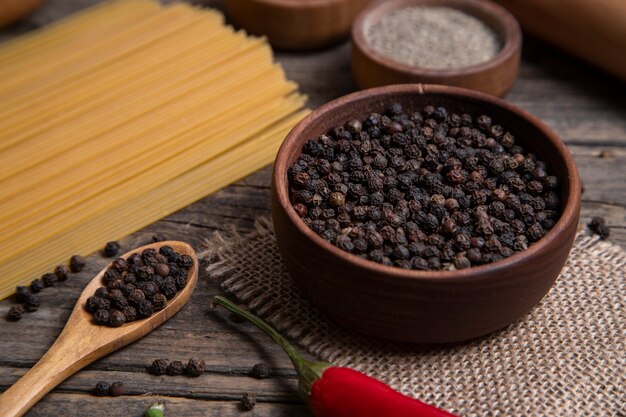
(332, 391)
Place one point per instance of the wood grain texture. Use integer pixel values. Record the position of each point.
(586, 108)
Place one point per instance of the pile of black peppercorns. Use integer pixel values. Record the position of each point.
(137, 287)
(424, 190)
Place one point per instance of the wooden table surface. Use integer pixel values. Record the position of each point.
(586, 107)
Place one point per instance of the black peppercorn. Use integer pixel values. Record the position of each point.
(186, 261)
(248, 401)
(149, 288)
(111, 249)
(120, 265)
(101, 316)
(175, 368)
(61, 272)
(131, 313)
(159, 366)
(117, 388)
(37, 285)
(144, 309)
(158, 237)
(49, 279)
(116, 318)
(77, 263)
(260, 371)
(166, 250)
(21, 293)
(32, 302)
(162, 269)
(102, 389)
(15, 312)
(181, 281)
(159, 301)
(598, 226)
(195, 367)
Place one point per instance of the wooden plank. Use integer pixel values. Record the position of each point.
(76, 405)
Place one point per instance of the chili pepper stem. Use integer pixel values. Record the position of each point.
(308, 371)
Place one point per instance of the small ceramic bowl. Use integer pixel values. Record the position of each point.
(297, 24)
(496, 76)
(424, 306)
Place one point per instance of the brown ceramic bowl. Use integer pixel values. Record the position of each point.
(424, 306)
(297, 24)
(496, 76)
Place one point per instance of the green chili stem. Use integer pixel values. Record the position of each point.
(308, 371)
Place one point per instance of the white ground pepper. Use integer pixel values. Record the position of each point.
(434, 37)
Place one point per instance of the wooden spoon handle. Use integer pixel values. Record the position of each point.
(64, 357)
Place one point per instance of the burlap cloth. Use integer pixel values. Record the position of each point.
(566, 358)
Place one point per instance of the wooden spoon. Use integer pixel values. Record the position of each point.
(82, 341)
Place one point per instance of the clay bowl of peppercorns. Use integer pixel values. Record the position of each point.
(424, 213)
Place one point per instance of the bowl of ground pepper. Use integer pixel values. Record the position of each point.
(424, 213)
(464, 43)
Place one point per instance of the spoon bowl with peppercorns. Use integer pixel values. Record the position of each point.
(424, 213)
(119, 319)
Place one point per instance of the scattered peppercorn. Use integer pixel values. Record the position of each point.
(426, 189)
(248, 401)
(102, 389)
(598, 226)
(111, 249)
(159, 366)
(37, 285)
(15, 312)
(116, 389)
(77, 263)
(49, 279)
(158, 237)
(61, 272)
(260, 371)
(21, 293)
(32, 302)
(136, 287)
(175, 368)
(195, 367)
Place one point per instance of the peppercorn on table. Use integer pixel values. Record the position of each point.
(584, 106)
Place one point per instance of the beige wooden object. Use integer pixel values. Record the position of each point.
(594, 30)
(81, 342)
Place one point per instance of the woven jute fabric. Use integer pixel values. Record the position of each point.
(565, 358)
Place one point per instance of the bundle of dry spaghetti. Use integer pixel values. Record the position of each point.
(122, 114)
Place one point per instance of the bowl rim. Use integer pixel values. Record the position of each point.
(512, 39)
(569, 214)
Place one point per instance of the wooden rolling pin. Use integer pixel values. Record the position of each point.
(594, 30)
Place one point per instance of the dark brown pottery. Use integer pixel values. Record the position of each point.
(424, 306)
(297, 24)
(496, 76)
